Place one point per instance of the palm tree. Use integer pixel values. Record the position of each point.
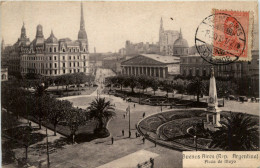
(102, 111)
(237, 133)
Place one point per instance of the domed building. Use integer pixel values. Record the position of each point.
(180, 46)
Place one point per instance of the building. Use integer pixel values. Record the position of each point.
(152, 65)
(167, 39)
(139, 48)
(4, 74)
(51, 56)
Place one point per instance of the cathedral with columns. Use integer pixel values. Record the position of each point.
(51, 56)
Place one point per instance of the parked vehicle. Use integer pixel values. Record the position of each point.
(232, 97)
(243, 98)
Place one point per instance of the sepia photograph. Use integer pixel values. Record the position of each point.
(130, 84)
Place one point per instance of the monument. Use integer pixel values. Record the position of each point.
(212, 109)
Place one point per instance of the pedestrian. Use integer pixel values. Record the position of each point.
(143, 114)
(123, 132)
(112, 140)
(134, 105)
(129, 134)
(154, 143)
(143, 140)
(30, 124)
(124, 116)
(136, 134)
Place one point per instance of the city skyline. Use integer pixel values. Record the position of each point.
(109, 34)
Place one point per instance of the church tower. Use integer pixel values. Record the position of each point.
(82, 35)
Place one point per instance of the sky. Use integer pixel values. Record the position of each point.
(110, 24)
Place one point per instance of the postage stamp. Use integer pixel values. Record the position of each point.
(225, 37)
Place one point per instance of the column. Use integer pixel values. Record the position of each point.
(146, 71)
(214, 119)
(159, 72)
(150, 71)
(207, 117)
(164, 75)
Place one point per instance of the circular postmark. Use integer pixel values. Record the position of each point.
(220, 39)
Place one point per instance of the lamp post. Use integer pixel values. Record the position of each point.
(48, 157)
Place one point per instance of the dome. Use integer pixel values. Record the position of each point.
(181, 42)
(39, 32)
(52, 38)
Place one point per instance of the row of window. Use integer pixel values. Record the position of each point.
(52, 72)
(50, 58)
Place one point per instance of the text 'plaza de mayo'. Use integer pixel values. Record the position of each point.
(48, 57)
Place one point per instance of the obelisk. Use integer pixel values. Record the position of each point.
(213, 100)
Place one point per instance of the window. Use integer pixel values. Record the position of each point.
(78, 57)
(70, 71)
(78, 63)
(84, 57)
(55, 65)
(74, 50)
(74, 57)
(50, 58)
(63, 57)
(74, 70)
(64, 71)
(50, 49)
(55, 71)
(54, 49)
(78, 70)
(70, 49)
(63, 64)
(63, 49)
(84, 64)
(197, 71)
(54, 57)
(70, 64)
(74, 64)
(50, 65)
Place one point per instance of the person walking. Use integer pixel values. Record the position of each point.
(143, 114)
(134, 105)
(155, 144)
(124, 116)
(129, 134)
(136, 135)
(143, 140)
(123, 132)
(112, 140)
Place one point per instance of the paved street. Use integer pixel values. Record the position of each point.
(100, 152)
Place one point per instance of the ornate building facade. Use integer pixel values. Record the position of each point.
(167, 39)
(50, 57)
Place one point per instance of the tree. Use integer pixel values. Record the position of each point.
(196, 86)
(131, 81)
(154, 85)
(74, 118)
(80, 78)
(57, 111)
(120, 80)
(102, 111)
(237, 133)
(144, 82)
(167, 87)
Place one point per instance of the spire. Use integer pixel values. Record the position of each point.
(82, 22)
(82, 35)
(161, 26)
(52, 33)
(23, 31)
(180, 34)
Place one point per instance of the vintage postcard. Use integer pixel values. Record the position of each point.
(129, 84)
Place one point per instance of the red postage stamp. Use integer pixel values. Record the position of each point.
(232, 34)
